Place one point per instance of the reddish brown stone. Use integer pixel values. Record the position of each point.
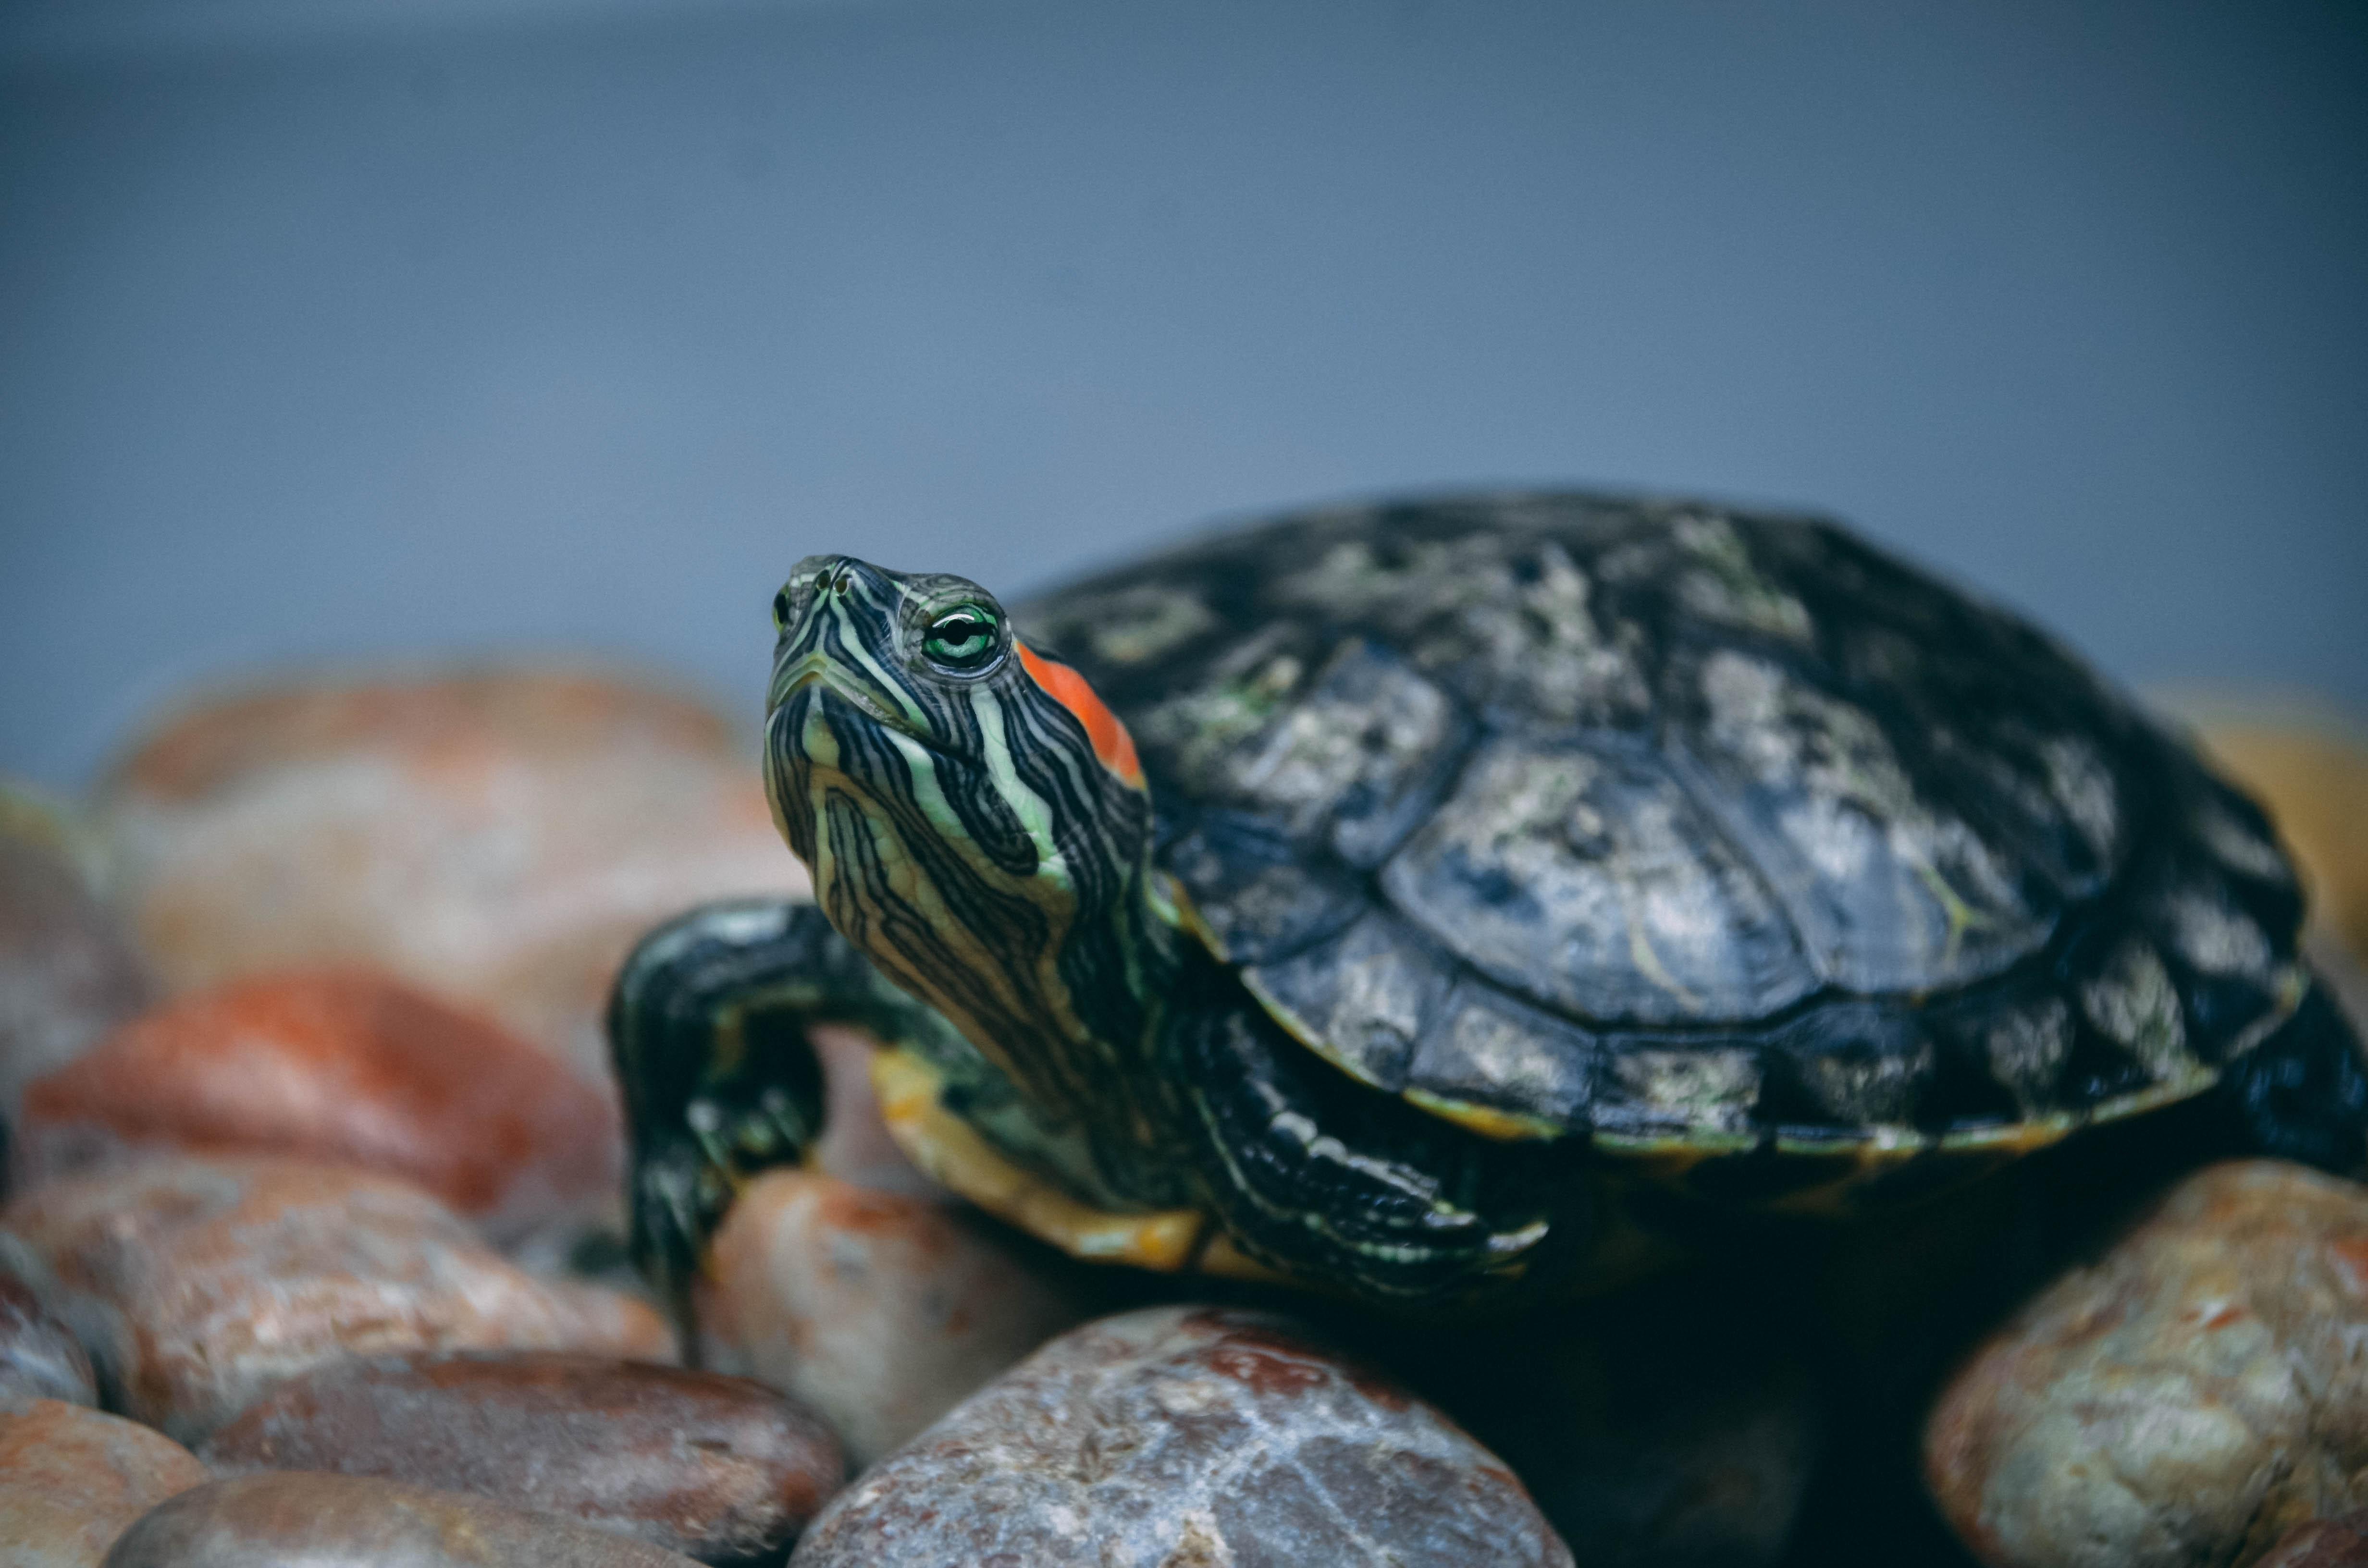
(214, 1279)
(856, 1146)
(1185, 1435)
(2187, 1399)
(318, 1521)
(67, 973)
(878, 1310)
(715, 1467)
(70, 1479)
(501, 837)
(349, 1068)
(2323, 1543)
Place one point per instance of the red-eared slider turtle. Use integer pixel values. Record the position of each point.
(1426, 899)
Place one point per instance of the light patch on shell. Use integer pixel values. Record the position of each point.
(2237, 845)
(1847, 808)
(1198, 729)
(1623, 904)
(1492, 1055)
(1861, 1087)
(1357, 738)
(2216, 937)
(1355, 1001)
(2025, 1047)
(1727, 587)
(1509, 613)
(2082, 784)
(1136, 624)
(1714, 1090)
(2131, 1003)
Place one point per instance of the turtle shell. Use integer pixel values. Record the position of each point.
(1684, 829)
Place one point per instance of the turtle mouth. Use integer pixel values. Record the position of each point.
(818, 668)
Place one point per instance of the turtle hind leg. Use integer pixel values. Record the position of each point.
(2302, 1094)
(707, 1034)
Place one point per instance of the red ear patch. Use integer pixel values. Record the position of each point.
(1065, 686)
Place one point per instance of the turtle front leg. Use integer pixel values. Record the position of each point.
(706, 1032)
(1331, 1181)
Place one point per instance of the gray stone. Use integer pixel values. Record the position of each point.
(1185, 1435)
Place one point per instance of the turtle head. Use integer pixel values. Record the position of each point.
(973, 816)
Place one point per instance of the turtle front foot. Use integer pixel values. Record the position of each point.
(706, 1032)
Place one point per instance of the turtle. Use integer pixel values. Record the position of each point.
(1468, 898)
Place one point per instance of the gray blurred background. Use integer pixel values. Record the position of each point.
(332, 329)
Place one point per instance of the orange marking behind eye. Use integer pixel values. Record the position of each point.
(1065, 686)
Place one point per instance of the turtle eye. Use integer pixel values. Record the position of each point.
(781, 611)
(963, 639)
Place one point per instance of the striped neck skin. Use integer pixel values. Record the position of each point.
(976, 823)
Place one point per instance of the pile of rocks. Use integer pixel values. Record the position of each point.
(311, 1252)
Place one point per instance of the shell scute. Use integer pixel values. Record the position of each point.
(1890, 890)
(1585, 878)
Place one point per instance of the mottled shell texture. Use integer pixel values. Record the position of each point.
(1676, 825)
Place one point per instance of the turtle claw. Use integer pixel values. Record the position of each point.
(706, 1032)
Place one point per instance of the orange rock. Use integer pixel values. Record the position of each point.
(351, 1068)
(2323, 1543)
(499, 836)
(214, 1279)
(71, 1480)
(878, 1310)
(2187, 1399)
(67, 973)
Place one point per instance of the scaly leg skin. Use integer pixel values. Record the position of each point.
(2302, 1094)
(707, 1032)
(1331, 1182)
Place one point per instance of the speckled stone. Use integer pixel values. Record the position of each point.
(500, 836)
(70, 1479)
(2323, 1543)
(717, 1468)
(40, 1356)
(1177, 1436)
(879, 1309)
(350, 1067)
(347, 1521)
(211, 1281)
(2185, 1400)
(67, 971)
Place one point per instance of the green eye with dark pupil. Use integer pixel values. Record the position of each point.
(960, 639)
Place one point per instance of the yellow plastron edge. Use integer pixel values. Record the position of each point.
(951, 1152)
